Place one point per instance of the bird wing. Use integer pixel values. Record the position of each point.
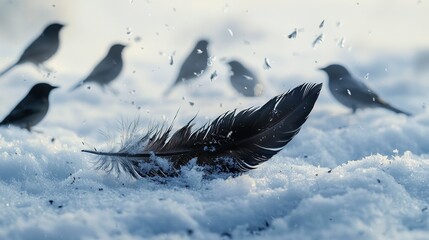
(102, 70)
(192, 66)
(22, 110)
(36, 48)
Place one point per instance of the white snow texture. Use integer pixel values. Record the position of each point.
(344, 176)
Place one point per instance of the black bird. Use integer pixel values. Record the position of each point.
(41, 49)
(352, 92)
(107, 69)
(32, 109)
(244, 81)
(194, 65)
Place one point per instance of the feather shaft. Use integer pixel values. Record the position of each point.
(233, 143)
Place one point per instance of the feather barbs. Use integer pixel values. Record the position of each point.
(232, 143)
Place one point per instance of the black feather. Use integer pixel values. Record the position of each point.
(234, 142)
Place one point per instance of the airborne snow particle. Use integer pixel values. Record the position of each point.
(348, 92)
(267, 64)
(248, 77)
(213, 76)
(318, 40)
(293, 34)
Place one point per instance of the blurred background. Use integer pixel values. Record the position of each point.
(385, 43)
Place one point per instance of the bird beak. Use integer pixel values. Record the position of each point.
(322, 69)
(53, 87)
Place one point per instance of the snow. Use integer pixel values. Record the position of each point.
(343, 176)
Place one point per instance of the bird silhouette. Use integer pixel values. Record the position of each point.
(107, 69)
(31, 109)
(352, 92)
(244, 81)
(41, 49)
(193, 66)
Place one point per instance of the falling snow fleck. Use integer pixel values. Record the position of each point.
(247, 77)
(213, 76)
(348, 92)
(128, 31)
(171, 59)
(199, 51)
(322, 24)
(267, 64)
(230, 32)
(199, 73)
(342, 42)
(318, 40)
(367, 76)
(211, 60)
(293, 34)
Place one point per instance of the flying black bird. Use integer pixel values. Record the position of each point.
(244, 81)
(107, 70)
(233, 143)
(41, 49)
(352, 92)
(194, 65)
(32, 109)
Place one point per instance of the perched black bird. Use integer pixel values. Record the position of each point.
(32, 109)
(352, 92)
(41, 49)
(194, 65)
(244, 81)
(107, 70)
(233, 143)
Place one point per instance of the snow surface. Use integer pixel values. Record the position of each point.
(361, 176)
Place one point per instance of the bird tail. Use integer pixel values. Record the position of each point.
(76, 86)
(8, 69)
(168, 91)
(393, 109)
